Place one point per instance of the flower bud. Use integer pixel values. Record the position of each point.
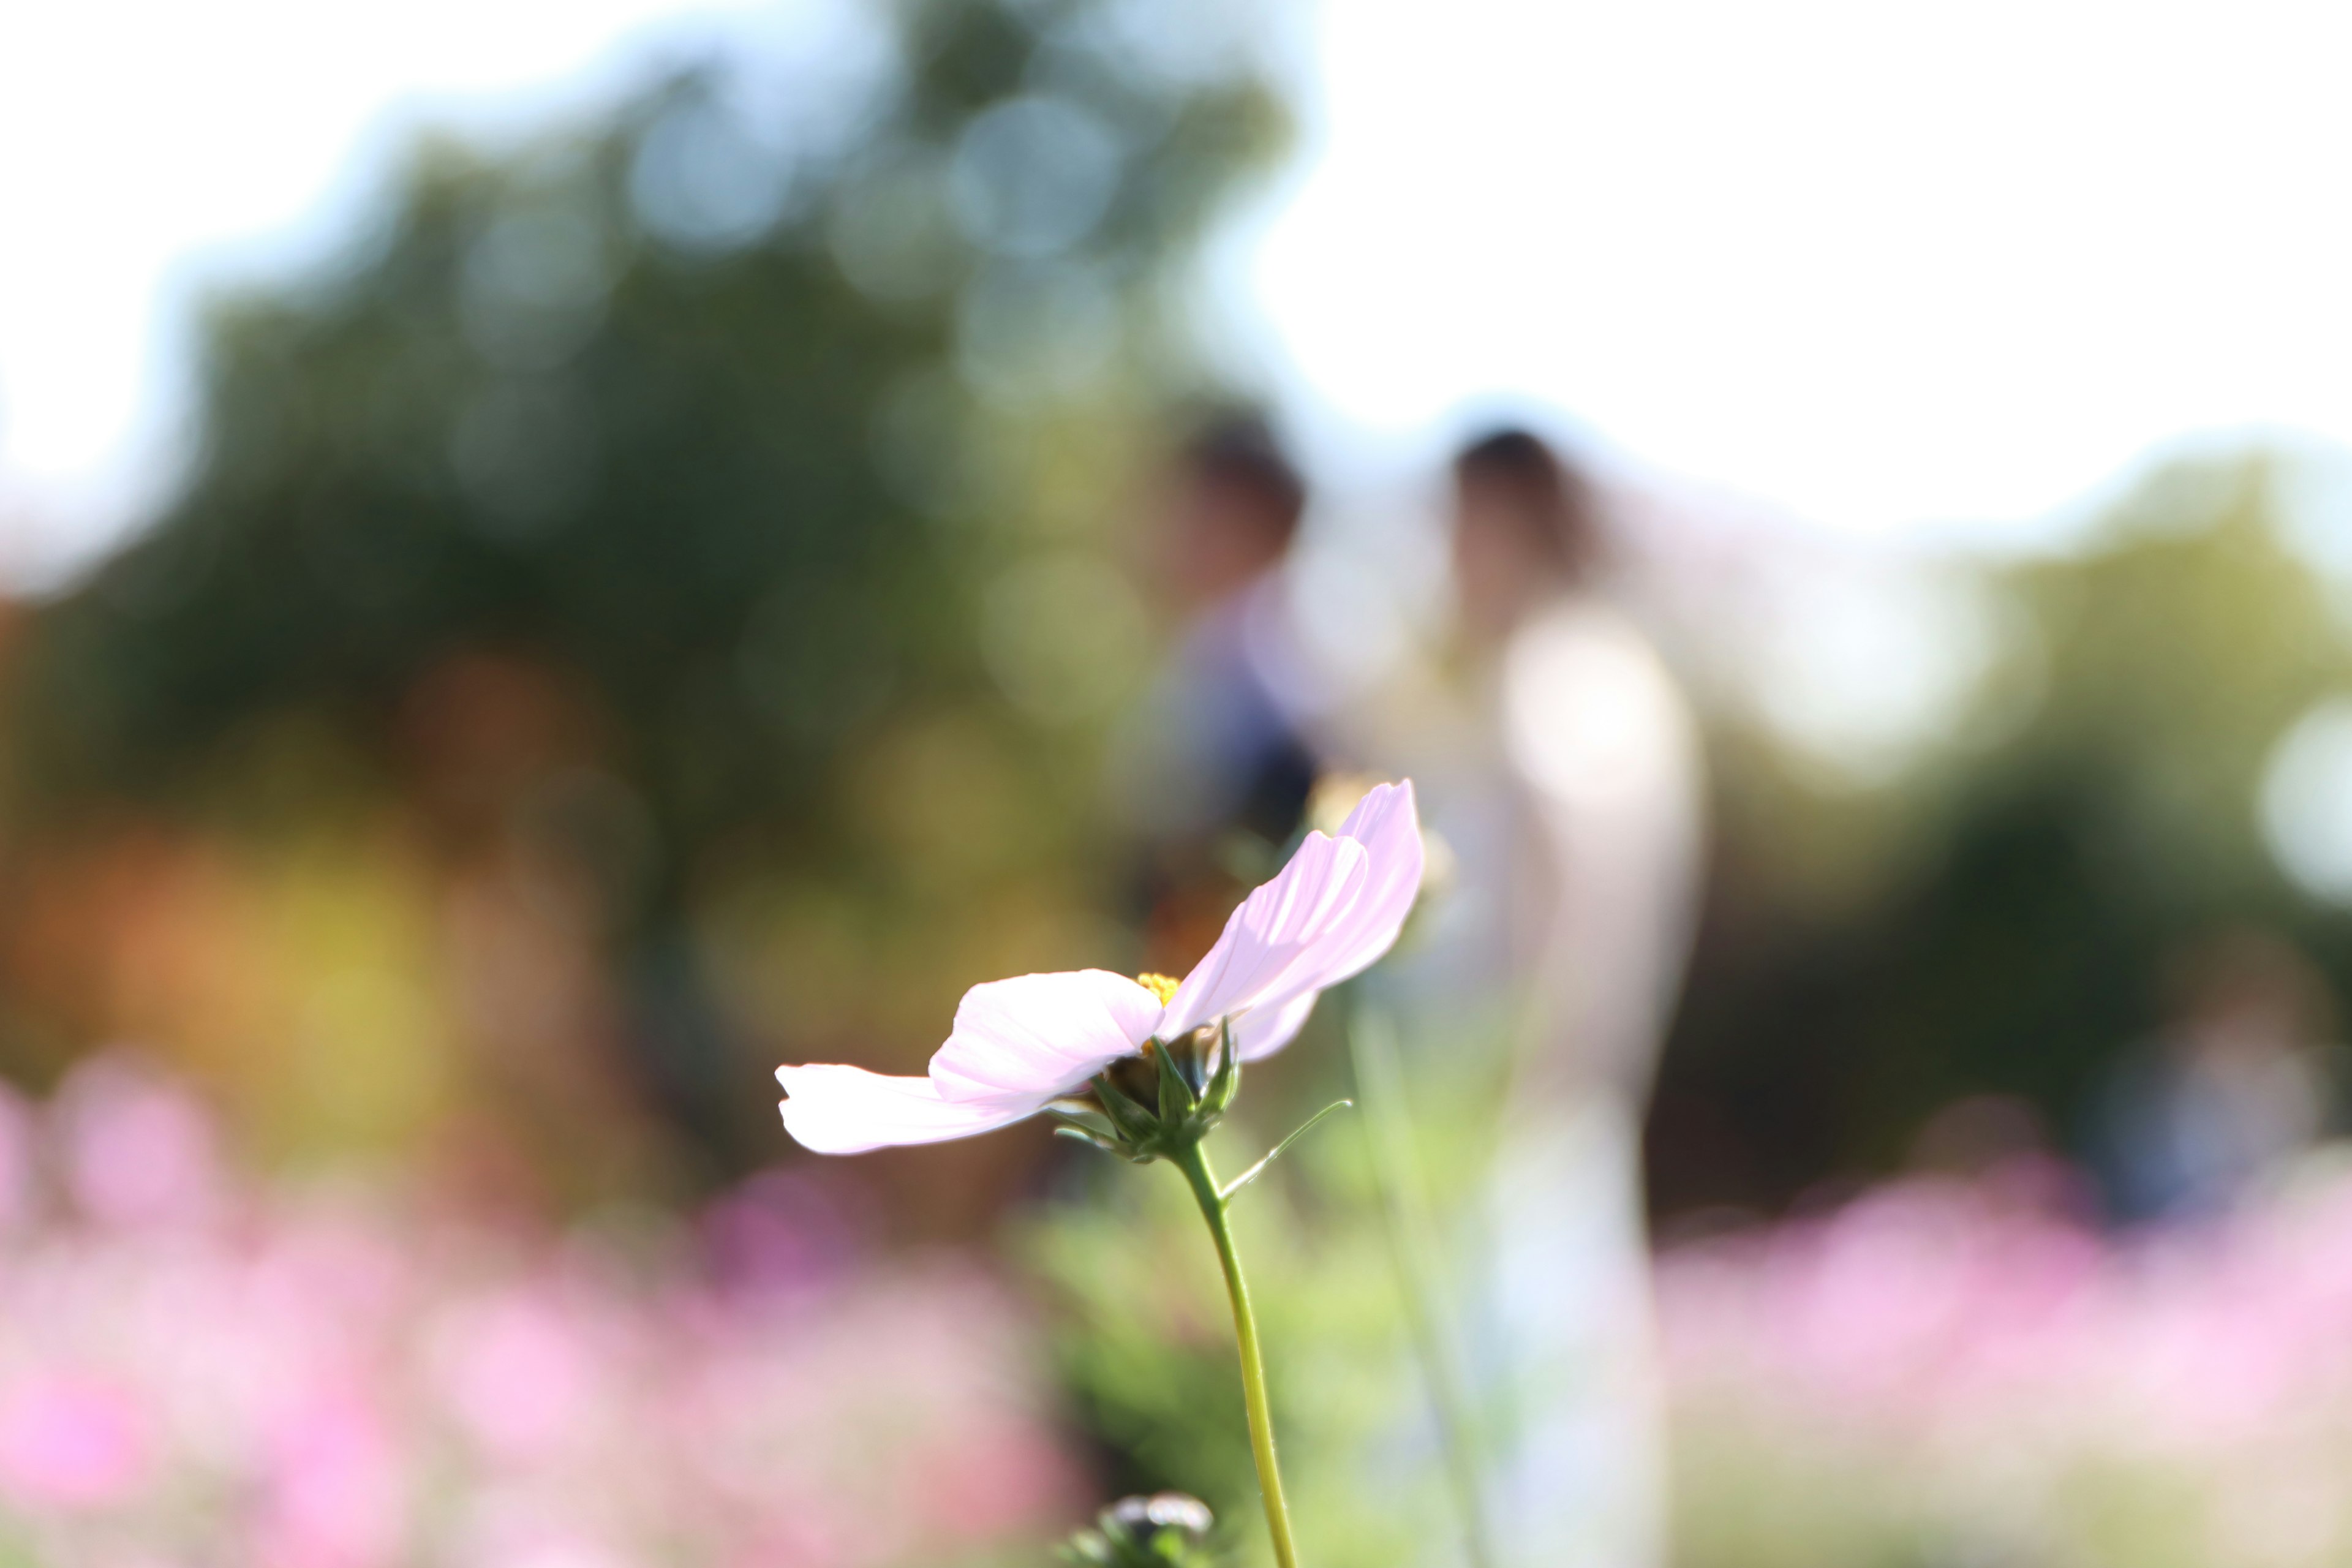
(1149, 1107)
(1166, 1530)
(1165, 1510)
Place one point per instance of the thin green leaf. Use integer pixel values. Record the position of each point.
(1247, 1177)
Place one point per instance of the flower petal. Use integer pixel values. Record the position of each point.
(1274, 926)
(838, 1110)
(1024, 1040)
(1387, 823)
(1262, 1031)
(1325, 916)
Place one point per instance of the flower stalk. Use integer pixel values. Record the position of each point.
(1144, 1068)
(1216, 1208)
(1171, 1119)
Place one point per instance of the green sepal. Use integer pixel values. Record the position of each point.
(1177, 1095)
(1132, 1122)
(1083, 1114)
(1227, 1079)
(1192, 1062)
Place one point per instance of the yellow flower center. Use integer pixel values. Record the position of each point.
(1161, 985)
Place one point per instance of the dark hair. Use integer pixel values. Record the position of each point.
(1239, 450)
(1556, 498)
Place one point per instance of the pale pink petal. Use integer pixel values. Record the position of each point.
(1023, 1041)
(1387, 823)
(1274, 926)
(847, 1111)
(1018, 1044)
(1289, 940)
(1262, 1031)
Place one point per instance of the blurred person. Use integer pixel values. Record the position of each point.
(1597, 756)
(2233, 1087)
(1212, 770)
(1573, 798)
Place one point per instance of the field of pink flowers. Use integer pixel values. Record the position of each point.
(1947, 1372)
(197, 1370)
(200, 1369)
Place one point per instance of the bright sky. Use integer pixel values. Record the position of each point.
(1876, 266)
(146, 147)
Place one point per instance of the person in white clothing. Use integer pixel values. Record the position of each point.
(1582, 840)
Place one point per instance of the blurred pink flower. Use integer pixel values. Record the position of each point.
(1020, 1044)
(343, 1378)
(18, 1131)
(782, 1230)
(70, 1442)
(136, 1148)
(984, 1483)
(335, 1498)
(516, 1372)
(1984, 1357)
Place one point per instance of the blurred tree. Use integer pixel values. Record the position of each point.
(673, 496)
(2019, 943)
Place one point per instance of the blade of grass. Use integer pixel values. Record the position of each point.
(1413, 1245)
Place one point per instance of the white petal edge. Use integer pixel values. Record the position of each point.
(836, 1109)
(1023, 1040)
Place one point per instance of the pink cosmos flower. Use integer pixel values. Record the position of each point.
(1020, 1044)
(70, 1442)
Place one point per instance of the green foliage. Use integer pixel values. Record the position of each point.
(2023, 941)
(726, 411)
(524, 418)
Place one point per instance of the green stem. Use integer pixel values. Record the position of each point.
(1193, 1160)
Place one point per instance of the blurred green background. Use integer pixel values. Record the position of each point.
(651, 607)
(2005, 917)
(645, 613)
(654, 606)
